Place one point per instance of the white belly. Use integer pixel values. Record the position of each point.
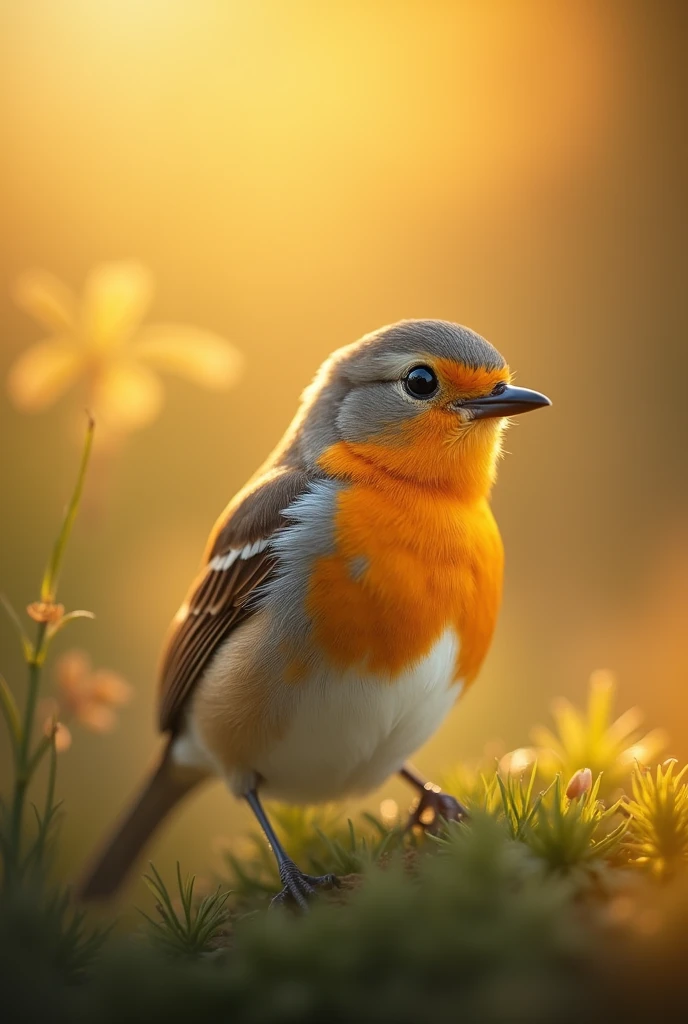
(349, 732)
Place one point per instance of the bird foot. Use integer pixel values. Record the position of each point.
(299, 888)
(434, 807)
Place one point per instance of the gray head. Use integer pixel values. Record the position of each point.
(414, 385)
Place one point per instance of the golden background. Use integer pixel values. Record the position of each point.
(296, 175)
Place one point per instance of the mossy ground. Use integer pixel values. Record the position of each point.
(476, 928)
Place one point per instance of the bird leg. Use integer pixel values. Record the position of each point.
(434, 805)
(298, 887)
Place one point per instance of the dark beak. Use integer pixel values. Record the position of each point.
(510, 401)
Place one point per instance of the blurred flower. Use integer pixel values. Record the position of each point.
(658, 822)
(90, 696)
(45, 611)
(609, 747)
(579, 783)
(101, 340)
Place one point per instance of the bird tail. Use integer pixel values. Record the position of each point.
(161, 791)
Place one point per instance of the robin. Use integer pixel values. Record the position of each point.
(348, 594)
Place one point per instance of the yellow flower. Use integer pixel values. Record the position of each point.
(609, 747)
(658, 818)
(91, 697)
(101, 340)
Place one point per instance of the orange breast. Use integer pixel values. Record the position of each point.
(410, 562)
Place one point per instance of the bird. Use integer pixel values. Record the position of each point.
(347, 597)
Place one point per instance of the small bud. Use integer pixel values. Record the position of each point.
(63, 737)
(580, 783)
(46, 611)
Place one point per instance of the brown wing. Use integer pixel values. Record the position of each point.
(238, 559)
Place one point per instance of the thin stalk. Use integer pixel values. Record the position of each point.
(11, 715)
(37, 756)
(25, 761)
(49, 812)
(52, 572)
(23, 775)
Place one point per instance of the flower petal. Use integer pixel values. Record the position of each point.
(72, 671)
(96, 717)
(46, 299)
(45, 611)
(116, 296)
(200, 356)
(41, 374)
(126, 396)
(63, 738)
(108, 687)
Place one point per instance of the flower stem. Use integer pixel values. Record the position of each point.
(52, 572)
(11, 714)
(22, 772)
(49, 813)
(26, 760)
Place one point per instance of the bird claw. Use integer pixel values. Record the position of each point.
(435, 806)
(299, 888)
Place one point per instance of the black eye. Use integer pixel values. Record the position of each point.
(499, 389)
(421, 382)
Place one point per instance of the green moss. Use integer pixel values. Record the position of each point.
(476, 928)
